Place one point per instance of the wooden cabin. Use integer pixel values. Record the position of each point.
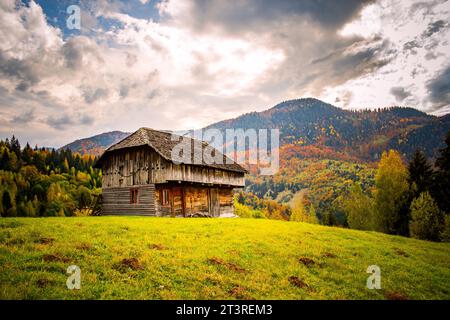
(139, 178)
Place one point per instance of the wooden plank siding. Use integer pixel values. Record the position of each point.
(142, 165)
(116, 201)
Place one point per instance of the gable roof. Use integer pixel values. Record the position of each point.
(163, 144)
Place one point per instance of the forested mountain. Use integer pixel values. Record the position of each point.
(363, 134)
(97, 144)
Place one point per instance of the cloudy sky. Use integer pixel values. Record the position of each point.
(181, 64)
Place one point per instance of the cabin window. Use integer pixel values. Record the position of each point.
(165, 197)
(134, 196)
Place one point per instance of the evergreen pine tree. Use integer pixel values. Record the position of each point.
(15, 146)
(5, 161)
(27, 154)
(6, 202)
(443, 161)
(441, 190)
(419, 173)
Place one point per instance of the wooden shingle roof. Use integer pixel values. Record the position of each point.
(162, 143)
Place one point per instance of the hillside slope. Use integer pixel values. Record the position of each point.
(166, 258)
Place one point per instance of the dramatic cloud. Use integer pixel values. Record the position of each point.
(25, 117)
(400, 93)
(247, 15)
(60, 122)
(434, 27)
(439, 88)
(179, 64)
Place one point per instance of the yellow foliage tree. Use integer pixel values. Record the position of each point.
(391, 182)
(55, 192)
(66, 165)
(298, 209)
(358, 208)
(312, 217)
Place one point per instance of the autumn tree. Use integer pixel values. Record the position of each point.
(312, 216)
(274, 211)
(427, 220)
(298, 211)
(391, 181)
(8, 161)
(55, 192)
(66, 165)
(359, 209)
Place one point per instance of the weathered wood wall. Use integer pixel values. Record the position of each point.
(142, 165)
(122, 169)
(187, 200)
(226, 201)
(116, 201)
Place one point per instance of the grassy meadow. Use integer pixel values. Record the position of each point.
(170, 258)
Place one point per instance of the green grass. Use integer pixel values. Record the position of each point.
(212, 259)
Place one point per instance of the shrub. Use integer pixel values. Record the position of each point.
(243, 211)
(359, 209)
(445, 234)
(82, 212)
(427, 221)
(83, 197)
(328, 219)
(54, 208)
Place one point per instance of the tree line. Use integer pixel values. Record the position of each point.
(305, 182)
(397, 197)
(409, 200)
(40, 182)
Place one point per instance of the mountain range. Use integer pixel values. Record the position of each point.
(310, 127)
